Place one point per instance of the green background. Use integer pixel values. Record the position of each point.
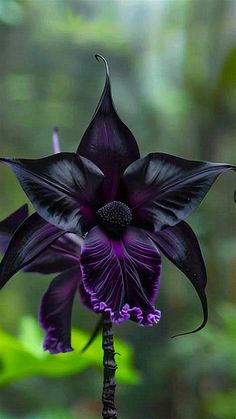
(173, 70)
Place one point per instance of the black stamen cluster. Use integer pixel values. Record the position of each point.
(114, 216)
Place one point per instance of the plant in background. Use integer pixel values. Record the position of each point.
(126, 209)
(22, 356)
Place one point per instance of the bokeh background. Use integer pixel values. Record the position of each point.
(173, 69)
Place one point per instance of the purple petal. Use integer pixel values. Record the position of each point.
(55, 142)
(51, 262)
(85, 297)
(180, 245)
(63, 254)
(10, 224)
(108, 142)
(55, 311)
(32, 237)
(162, 189)
(122, 275)
(63, 189)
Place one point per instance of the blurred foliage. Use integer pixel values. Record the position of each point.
(173, 69)
(23, 356)
(11, 12)
(212, 355)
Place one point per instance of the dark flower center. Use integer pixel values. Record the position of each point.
(114, 216)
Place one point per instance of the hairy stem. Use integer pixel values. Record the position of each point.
(109, 364)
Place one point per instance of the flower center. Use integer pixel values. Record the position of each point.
(114, 216)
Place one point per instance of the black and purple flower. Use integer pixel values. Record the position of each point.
(125, 207)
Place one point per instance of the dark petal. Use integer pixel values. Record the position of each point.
(55, 311)
(85, 297)
(63, 254)
(51, 262)
(122, 275)
(180, 245)
(10, 224)
(108, 142)
(63, 188)
(32, 237)
(162, 189)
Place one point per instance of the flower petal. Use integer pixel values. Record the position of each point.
(62, 188)
(55, 311)
(50, 262)
(63, 254)
(162, 189)
(32, 237)
(10, 224)
(85, 297)
(108, 142)
(122, 275)
(180, 245)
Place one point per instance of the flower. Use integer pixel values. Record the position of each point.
(126, 208)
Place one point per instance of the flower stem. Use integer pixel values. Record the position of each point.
(109, 364)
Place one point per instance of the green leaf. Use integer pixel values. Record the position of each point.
(23, 356)
(221, 405)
